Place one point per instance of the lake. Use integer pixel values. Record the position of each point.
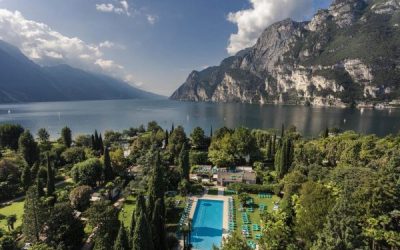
(86, 116)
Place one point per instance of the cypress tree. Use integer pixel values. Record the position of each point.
(132, 226)
(26, 178)
(326, 132)
(34, 171)
(28, 148)
(34, 215)
(96, 141)
(274, 144)
(121, 242)
(278, 161)
(269, 149)
(66, 136)
(142, 237)
(184, 162)
(283, 130)
(284, 157)
(101, 145)
(172, 128)
(108, 171)
(140, 205)
(211, 132)
(93, 142)
(50, 178)
(39, 187)
(156, 185)
(166, 137)
(158, 225)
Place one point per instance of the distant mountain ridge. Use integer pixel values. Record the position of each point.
(21, 80)
(346, 55)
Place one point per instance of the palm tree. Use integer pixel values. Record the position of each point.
(186, 231)
(189, 233)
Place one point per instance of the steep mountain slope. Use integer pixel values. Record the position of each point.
(21, 80)
(346, 55)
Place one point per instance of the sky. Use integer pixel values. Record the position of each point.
(151, 44)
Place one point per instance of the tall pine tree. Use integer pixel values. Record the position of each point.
(156, 185)
(166, 138)
(28, 148)
(50, 178)
(108, 171)
(142, 237)
(132, 226)
(96, 145)
(158, 225)
(26, 178)
(101, 144)
(34, 215)
(140, 205)
(284, 157)
(121, 242)
(269, 149)
(184, 165)
(39, 187)
(66, 136)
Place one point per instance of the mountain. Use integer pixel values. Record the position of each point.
(21, 80)
(346, 55)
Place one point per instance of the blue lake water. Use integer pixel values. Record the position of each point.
(207, 224)
(85, 116)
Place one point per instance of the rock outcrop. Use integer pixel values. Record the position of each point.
(346, 55)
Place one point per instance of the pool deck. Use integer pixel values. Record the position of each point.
(219, 197)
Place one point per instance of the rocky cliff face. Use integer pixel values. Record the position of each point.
(346, 55)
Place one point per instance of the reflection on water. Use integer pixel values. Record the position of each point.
(85, 116)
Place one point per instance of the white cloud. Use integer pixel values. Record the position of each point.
(108, 65)
(48, 47)
(106, 44)
(125, 5)
(252, 22)
(105, 7)
(121, 7)
(152, 19)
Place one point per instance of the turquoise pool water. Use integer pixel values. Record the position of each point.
(207, 224)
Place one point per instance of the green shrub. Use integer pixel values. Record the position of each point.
(212, 191)
(252, 188)
(198, 157)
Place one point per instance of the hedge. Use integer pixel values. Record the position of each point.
(254, 188)
(212, 191)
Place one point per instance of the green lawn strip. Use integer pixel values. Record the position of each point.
(16, 208)
(174, 215)
(254, 217)
(125, 215)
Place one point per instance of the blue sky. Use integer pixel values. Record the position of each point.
(152, 43)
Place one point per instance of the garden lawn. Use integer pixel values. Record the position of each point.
(125, 215)
(16, 208)
(174, 215)
(254, 217)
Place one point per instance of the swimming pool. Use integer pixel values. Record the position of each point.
(207, 224)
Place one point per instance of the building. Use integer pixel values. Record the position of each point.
(226, 178)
